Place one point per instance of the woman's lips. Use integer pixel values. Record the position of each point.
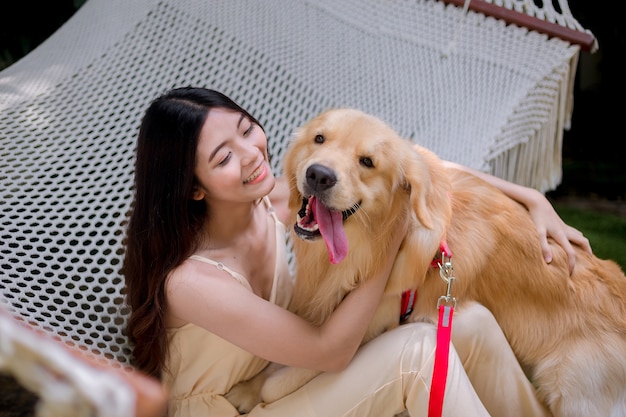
(258, 175)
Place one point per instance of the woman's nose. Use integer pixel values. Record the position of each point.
(249, 153)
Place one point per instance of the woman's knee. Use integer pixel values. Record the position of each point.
(412, 344)
(410, 334)
(474, 322)
(477, 336)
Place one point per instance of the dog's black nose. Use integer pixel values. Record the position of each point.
(320, 178)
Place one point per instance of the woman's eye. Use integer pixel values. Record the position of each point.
(225, 160)
(248, 130)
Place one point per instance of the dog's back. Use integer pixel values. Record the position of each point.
(569, 332)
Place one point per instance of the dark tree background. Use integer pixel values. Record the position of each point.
(593, 148)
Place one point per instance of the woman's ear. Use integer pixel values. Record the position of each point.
(198, 193)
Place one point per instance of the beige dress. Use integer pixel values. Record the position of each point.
(204, 366)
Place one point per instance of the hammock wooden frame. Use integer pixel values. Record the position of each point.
(585, 40)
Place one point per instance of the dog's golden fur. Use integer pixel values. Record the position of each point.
(568, 332)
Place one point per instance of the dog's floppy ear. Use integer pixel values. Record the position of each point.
(429, 187)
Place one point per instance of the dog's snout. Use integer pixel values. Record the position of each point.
(320, 178)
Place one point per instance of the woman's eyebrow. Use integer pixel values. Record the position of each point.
(216, 150)
(243, 116)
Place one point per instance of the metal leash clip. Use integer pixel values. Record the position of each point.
(446, 272)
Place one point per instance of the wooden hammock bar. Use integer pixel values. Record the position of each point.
(585, 40)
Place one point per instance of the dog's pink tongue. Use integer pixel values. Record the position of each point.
(330, 224)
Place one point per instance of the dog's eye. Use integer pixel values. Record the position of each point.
(319, 139)
(366, 162)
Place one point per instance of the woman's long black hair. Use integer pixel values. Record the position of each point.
(165, 222)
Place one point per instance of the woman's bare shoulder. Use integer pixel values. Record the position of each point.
(194, 286)
(207, 297)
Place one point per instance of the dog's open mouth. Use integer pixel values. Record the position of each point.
(316, 220)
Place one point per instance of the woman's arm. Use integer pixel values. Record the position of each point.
(546, 219)
(215, 301)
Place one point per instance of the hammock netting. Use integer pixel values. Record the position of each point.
(472, 88)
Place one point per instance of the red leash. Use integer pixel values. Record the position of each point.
(440, 371)
(446, 305)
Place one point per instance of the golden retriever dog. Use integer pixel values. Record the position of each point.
(352, 179)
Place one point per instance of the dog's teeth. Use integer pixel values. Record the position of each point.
(302, 226)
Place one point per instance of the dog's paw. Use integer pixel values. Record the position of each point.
(285, 381)
(245, 395)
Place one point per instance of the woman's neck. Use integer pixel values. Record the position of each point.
(227, 224)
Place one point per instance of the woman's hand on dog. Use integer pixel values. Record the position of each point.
(549, 224)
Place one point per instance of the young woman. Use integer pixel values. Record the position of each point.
(208, 284)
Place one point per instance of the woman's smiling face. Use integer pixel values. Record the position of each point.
(231, 159)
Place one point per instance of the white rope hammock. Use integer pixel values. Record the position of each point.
(474, 89)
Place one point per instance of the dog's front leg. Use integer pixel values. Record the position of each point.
(247, 394)
(285, 381)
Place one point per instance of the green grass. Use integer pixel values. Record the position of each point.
(606, 232)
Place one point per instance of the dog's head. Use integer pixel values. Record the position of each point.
(350, 174)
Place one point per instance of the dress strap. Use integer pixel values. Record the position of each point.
(220, 266)
(270, 208)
